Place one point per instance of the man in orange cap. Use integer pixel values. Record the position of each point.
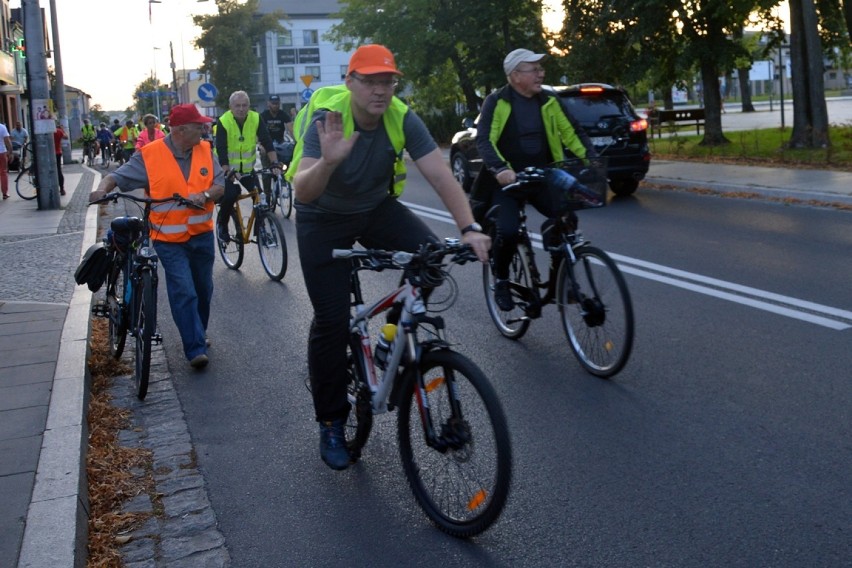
(349, 172)
(182, 236)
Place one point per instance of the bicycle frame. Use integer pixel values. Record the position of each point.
(246, 227)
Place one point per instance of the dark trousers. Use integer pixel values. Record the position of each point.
(59, 172)
(544, 200)
(232, 192)
(390, 226)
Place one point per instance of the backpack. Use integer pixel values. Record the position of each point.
(94, 267)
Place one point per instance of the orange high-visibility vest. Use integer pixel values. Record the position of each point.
(172, 222)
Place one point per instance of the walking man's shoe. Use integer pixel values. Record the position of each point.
(333, 449)
(199, 361)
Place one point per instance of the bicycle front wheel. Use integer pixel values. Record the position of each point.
(513, 323)
(25, 183)
(117, 311)
(462, 479)
(232, 249)
(285, 198)
(596, 311)
(146, 323)
(271, 245)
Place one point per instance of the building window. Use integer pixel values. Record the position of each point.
(344, 69)
(313, 70)
(285, 38)
(310, 37)
(287, 74)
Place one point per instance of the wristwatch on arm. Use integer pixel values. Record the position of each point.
(473, 227)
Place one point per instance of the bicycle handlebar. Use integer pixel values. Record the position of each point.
(177, 198)
(430, 255)
(570, 184)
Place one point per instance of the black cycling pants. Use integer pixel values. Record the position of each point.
(390, 226)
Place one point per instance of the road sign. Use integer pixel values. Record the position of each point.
(207, 92)
(306, 79)
(306, 95)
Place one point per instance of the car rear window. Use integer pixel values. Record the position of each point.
(589, 108)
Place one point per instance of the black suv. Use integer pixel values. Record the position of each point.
(608, 118)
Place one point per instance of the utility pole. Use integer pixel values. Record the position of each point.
(174, 74)
(42, 123)
(59, 86)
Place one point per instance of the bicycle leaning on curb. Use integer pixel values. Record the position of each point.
(452, 432)
(131, 285)
(584, 282)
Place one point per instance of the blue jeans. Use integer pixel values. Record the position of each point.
(189, 283)
(390, 226)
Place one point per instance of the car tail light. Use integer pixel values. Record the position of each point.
(639, 125)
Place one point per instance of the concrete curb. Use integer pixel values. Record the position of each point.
(56, 532)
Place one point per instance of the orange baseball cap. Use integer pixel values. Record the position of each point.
(372, 59)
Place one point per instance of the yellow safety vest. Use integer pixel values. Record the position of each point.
(242, 145)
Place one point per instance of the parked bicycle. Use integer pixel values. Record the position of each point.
(26, 182)
(261, 227)
(453, 437)
(583, 281)
(131, 285)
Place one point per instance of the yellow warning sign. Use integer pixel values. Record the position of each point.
(306, 79)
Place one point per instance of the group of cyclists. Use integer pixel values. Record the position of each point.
(117, 142)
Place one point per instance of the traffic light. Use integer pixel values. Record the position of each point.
(21, 47)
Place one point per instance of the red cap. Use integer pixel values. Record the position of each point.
(186, 114)
(373, 59)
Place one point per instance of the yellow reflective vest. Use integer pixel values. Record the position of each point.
(242, 144)
(340, 101)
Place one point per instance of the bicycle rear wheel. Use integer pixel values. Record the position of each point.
(117, 312)
(146, 323)
(596, 311)
(461, 481)
(25, 183)
(285, 197)
(514, 323)
(271, 245)
(232, 250)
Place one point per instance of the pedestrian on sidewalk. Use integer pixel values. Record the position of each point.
(58, 136)
(182, 235)
(5, 152)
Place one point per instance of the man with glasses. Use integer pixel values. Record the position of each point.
(520, 126)
(238, 133)
(349, 172)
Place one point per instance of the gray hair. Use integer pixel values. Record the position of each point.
(238, 95)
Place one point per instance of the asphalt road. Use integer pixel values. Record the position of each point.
(724, 442)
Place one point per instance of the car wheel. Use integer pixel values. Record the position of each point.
(461, 171)
(624, 186)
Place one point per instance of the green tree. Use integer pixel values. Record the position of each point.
(98, 115)
(148, 94)
(426, 35)
(228, 39)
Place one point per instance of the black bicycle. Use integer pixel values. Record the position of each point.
(26, 182)
(131, 286)
(89, 152)
(583, 281)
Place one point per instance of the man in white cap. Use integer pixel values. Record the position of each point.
(520, 126)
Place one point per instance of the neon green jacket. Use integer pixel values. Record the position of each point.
(340, 101)
(242, 145)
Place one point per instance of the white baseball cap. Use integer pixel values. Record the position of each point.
(519, 56)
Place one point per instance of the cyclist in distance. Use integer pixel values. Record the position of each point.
(151, 132)
(349, 171)
(87, 135)
(105, 138)
(521, 126)
(277, 123)
(182, 236)
(238, 132)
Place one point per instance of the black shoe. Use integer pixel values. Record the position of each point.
(61, 192)
(333, 449)
(503, 295)
(224, 237)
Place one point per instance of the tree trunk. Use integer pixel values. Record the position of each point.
(713, 135)
(745, 90)
(810, 113)
(847, 14)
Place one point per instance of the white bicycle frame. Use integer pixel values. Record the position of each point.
(404, 342)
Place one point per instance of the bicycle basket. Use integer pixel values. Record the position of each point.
(581, 184)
